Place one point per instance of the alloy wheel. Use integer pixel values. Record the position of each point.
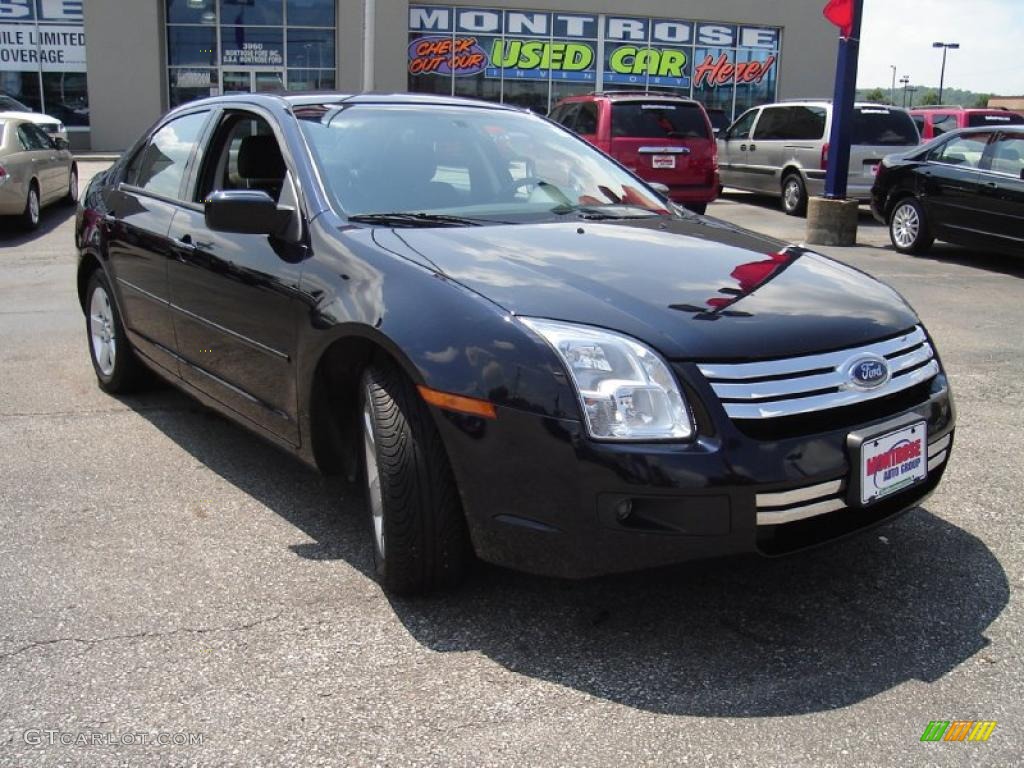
(101, 331)
(33, 206)
(374, 494)
(906, 225)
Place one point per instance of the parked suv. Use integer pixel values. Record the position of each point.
(664, 139)
(782, 149)
(935, 121)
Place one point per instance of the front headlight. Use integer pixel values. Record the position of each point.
(625, 389)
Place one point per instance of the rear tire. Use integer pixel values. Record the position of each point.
(118, 370)
(699, 208)
(418, 531)
(31, 215)
(908, 227)
(794, 195)
(72, 196)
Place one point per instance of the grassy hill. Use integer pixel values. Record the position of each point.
(926, 95)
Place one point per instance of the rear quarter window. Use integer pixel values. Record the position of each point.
(658, 121)
(1009, 118)
(881, 127)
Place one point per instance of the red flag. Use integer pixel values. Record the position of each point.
(840, 13)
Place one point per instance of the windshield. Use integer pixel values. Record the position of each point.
(881, 127)
(484, 164)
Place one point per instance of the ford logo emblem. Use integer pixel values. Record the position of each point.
(868, 372)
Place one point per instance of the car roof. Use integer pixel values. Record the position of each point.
(30, 117)
(630, 96)
(297, 99)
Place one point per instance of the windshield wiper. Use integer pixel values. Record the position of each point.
(417, 219)
(610, 211)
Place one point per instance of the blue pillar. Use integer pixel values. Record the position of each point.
(842, 109)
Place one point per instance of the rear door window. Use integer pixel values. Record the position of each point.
(881, 127)
(586, 119)
(654, 120)
(31, 141)
(977, 120)
(791, 124)
(1008, 156)
(964, 151)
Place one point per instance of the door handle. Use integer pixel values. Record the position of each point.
(753, 147)
(992, 184)
(743, 147)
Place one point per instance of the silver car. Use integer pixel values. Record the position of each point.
(782, 149)
(35, 170)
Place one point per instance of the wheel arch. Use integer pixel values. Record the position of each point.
(897, 196)
(331, 396)
(87, 265)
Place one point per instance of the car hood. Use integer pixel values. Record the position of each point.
(694, 289)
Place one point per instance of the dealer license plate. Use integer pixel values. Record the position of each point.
(663, 161)
(893, 462)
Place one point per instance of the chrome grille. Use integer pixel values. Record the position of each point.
(811, 383)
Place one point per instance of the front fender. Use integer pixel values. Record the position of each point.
(444, 335)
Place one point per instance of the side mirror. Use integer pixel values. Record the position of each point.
(60, 143)
(657, 186)
(245, 212)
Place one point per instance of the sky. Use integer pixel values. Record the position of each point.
(901, 32)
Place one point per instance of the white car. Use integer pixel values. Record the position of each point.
(13, 109)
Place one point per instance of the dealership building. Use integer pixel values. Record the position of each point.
(109, 68)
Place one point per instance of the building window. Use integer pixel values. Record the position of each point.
(535, 58)
(242, 46)
(43, 60)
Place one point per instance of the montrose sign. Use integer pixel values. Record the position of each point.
(539, 45)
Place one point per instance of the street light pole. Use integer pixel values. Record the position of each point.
(904, 81)
(942, 77)
(892, 91)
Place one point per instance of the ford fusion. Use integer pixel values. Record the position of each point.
(520, 350)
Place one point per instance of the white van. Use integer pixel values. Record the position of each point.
(782, 149)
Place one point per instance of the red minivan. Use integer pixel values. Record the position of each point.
(935, 121)
(664, 139)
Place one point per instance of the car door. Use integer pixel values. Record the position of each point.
(235, 296)
(950, 186)
(1002, 191)
(53, 178)
(767, 148)
(37, 148)
(732, 152)
(135, 230)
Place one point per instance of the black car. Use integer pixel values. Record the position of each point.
(523, 351)
(965, 187)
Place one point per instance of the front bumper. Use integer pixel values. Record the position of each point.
(540, 496)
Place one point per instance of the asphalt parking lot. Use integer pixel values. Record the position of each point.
(167, 576)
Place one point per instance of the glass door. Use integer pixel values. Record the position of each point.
(252, 80)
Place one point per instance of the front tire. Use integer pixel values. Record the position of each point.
(118, 370)
(908, 227)
(794, 195)
(420, 542)
(699, 208)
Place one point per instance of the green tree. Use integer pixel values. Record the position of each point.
(982, 100)
(930, 99)
(877, 95)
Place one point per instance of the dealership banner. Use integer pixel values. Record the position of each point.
(51, 47)
(529, 45)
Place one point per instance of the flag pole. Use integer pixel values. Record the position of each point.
(842, 108)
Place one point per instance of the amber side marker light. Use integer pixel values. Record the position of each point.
(458, 403)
